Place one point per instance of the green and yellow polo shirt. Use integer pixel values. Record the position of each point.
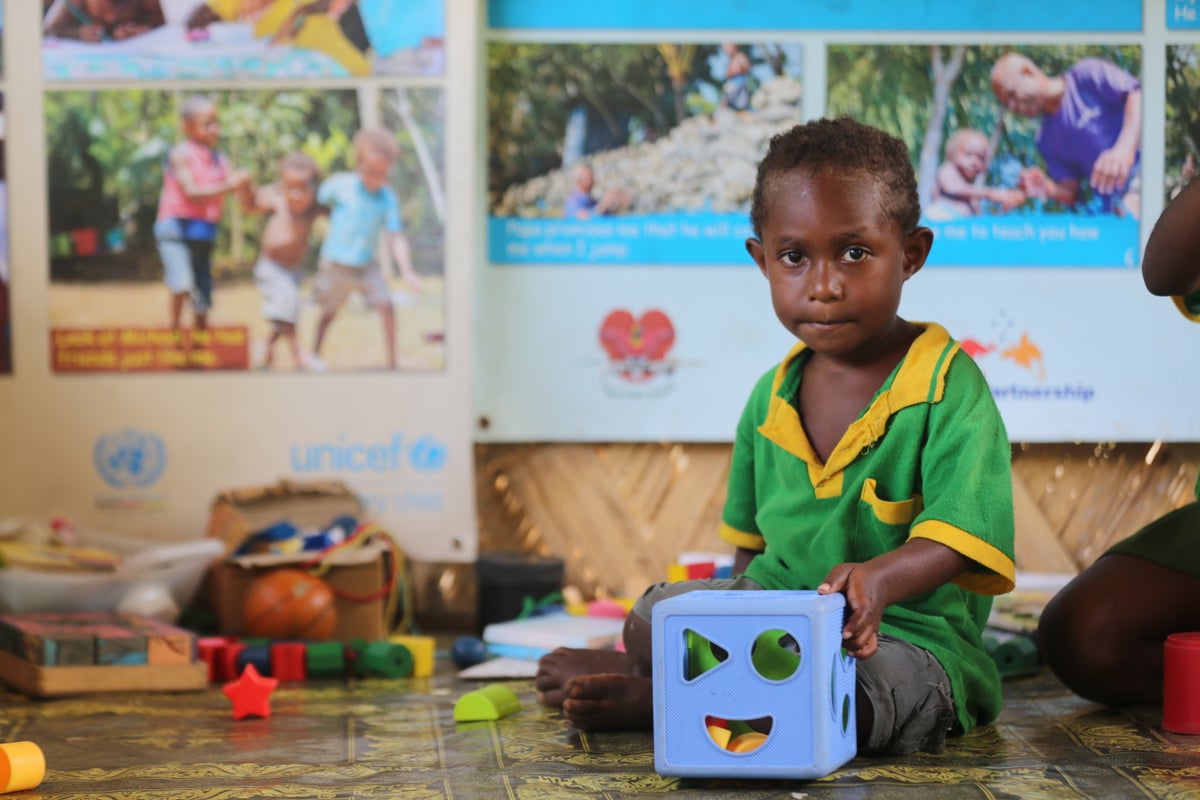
(928, 458)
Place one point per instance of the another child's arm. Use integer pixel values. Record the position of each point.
(1171, 265)
(63, 21)
(237, 180)
(952, 184)
(917, 566)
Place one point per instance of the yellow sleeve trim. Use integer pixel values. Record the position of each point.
(1000, 574)
(750, 541)
(1181, 304)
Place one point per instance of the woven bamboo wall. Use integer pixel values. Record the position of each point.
(619, 514)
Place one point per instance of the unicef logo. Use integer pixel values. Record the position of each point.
(129, 458)
(427, 454)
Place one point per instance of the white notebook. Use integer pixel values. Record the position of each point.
(549, 631)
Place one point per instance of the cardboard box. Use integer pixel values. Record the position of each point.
(240, 512)
(358, 571)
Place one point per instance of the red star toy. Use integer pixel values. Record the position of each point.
(250, 694)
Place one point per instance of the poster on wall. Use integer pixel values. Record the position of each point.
(652, 164)
(1182, 118)
(169, 39)
(1026, 156)
(245, 230)
(5, 316)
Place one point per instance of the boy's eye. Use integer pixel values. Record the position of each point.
(791, 257)
(855, 254)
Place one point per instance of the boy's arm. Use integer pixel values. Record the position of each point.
(1171, 265)
(915, 567)
(402, 254)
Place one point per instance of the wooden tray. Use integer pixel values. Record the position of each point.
(36, 681)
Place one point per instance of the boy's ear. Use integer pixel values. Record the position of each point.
(916, 249)
(755, 248)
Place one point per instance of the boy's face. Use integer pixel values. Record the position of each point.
(374, 169)
(203, 126)
(970, 157)
(299, 191)
(835, 261)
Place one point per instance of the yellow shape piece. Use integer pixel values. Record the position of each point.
(676, 573)
(491, 702)
(719, 735)
(316, 32)
(225, 9)
(746, 742)
(422, 649)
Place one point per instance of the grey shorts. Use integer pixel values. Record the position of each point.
(335, 283)
(905, 687)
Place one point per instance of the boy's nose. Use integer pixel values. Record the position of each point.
(823, 282)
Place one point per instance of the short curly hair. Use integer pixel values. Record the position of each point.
(848, 147)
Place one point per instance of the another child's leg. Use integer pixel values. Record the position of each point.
(1103, 634)
(387, 314)
(177, 269)
(331, 287)
(202, 291)
(378, 295)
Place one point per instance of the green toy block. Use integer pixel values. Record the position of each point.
(388, 660)
(493, 701)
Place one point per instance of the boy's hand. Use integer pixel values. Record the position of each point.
(863, 587)
(412, 280)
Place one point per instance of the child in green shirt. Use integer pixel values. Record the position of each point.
(871, 461)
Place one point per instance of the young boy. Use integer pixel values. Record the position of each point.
(872, 461)
(292, 205)
(196, 179)
(955, 191)
(362, 205)
(1103, 633)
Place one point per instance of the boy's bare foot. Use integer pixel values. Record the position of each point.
(563, 664)
(609, 702)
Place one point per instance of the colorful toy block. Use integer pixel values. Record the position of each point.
(22, 766)
(287, 661)
(423, 649)
(493, 701)
(766, 670)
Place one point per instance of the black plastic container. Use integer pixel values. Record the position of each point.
(505, 580)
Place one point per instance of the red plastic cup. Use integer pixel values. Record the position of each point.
(1181, 683)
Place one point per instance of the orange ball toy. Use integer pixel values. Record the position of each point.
(289, 604)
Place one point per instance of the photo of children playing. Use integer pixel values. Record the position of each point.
(86, 39)
(287, 234)
(1033, 151)
(1183, 117)
(652, 164)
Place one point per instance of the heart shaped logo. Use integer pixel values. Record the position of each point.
(637, 347)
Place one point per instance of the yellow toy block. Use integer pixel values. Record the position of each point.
(422, 649)
(676, 573)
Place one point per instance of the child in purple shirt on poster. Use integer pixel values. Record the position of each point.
(1090, 129)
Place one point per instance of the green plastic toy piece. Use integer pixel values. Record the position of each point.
(493, 701)
(388, 660)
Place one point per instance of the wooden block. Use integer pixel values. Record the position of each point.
(37, 681)
(117, 645)
(165, 644)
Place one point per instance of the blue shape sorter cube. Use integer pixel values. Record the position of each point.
(724, 658)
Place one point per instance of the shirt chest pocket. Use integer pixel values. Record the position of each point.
(885, 522)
